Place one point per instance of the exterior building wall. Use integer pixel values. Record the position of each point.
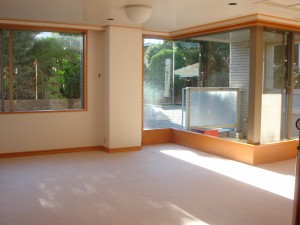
(239, 78)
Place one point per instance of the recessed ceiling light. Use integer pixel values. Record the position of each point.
(110, 19)
(232, 3)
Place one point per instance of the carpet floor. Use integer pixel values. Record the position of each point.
(161, 185)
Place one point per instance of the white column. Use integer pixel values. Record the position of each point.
(122, 90)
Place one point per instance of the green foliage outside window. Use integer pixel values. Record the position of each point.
(212, 59)
(46, 66)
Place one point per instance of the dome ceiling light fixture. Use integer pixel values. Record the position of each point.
(138, 13)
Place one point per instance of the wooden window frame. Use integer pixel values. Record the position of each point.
(47, 29)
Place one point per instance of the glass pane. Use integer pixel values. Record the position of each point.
(47, 70)
(220, 60)
(212, 108)
(224, 62)
(23, 70)
(274, 99)
(159, 111)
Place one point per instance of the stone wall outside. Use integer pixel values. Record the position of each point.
(43, 104)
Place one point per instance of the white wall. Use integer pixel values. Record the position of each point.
(271, 118)
(43, 131)
(122, 95)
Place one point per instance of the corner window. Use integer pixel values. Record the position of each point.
(41, 70)
(198, 83)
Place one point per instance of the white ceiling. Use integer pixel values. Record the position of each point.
(168, 15)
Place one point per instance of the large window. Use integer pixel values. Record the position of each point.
(185, 77)
(41, 70)
(202, 84)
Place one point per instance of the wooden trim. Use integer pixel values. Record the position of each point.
(234, 150)
(157, 136)
(49, 152)
(246, 153)
(11, 75)
(55, 26)
(277, 25)
(157, 35)
(290, 83)
(268, 153)
(238, 23)
(41, 28)
(120, 26)
(142, 85)
(271, 18)
(45, 111)
(278, 22)
(216, 30)
(227, 24)
(128, 149)
(217, 146)
(85, 71)
(255, 85)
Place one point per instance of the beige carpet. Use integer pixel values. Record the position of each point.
(160, 185)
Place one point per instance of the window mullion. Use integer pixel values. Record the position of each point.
(2, 71)
(11, 106)
(290, 83)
